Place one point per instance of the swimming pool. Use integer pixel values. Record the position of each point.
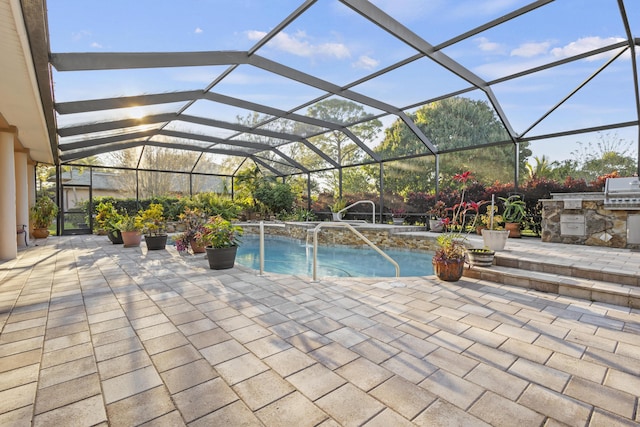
(290, 256)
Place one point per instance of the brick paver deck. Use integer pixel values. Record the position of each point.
(97, 334)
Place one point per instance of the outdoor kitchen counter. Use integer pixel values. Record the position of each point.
(583, 219)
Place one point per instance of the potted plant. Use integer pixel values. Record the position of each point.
(448, 260)
(493, 236)
(42, 213)
(436, 214)
(108, 219)
(192, 220)
(514, 212)
(398, 215)
(480, 257)
(337, 206)
(153, 227)
(130, 228)
(221, 239)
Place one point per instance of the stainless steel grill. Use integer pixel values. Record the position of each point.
(622, 193)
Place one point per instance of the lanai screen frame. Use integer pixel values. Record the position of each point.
(70, 153)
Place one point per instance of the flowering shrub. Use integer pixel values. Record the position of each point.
(451, 246)
(463, 209)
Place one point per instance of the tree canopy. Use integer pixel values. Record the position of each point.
(449, 124)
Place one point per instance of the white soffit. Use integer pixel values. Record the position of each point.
(20, 103)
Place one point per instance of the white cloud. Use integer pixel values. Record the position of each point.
(488, 46)
(530, 55)
(366, 62)
(300, 45)
(585, 44)
(527, 50)
(198, 30)
(80, 35)
(96, 45)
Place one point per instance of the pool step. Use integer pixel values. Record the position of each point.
(619, 288)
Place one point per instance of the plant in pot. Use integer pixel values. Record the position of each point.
(108, 218)
(153, 227)
(221, 239)
(448, 260)
(338, 205)
(130, 228)
(480, 257)
(42, 213)
(398, 215)
(436, 214)
(193, 221)
(493, 236)
(514, 212)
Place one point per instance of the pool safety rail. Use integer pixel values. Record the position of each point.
(373, 206)
(316, 230)
(262, 243)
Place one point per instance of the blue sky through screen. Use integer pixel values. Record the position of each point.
(333, 43)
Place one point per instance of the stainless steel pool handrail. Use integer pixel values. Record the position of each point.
(262, 244)
(357, 233)
(373, 205)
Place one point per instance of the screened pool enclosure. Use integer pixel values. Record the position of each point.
(336, 93)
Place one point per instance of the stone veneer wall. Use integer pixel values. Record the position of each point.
(603, 227)
(405, 237)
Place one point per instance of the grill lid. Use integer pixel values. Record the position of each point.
(622, 193)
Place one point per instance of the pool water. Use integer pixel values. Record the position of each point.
(290, 256)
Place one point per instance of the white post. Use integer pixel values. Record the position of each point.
(261, 248)
(22, 193)
(493, 200)
(8, 242)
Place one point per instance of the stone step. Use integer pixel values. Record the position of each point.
(572, 268)
(533, 278)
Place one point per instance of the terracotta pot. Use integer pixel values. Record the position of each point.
(449, 271)
(40, 233)
(221, 258)
(196, 248)
(514, 229)
(131, 238)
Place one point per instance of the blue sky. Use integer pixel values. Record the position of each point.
(333, 43)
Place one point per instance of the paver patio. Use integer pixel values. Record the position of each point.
(98, 334)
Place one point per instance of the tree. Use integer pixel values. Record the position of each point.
(337, 144)
(450, 124)
(610, 153)
(591, 160)
(542, 168)
(155, 183)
